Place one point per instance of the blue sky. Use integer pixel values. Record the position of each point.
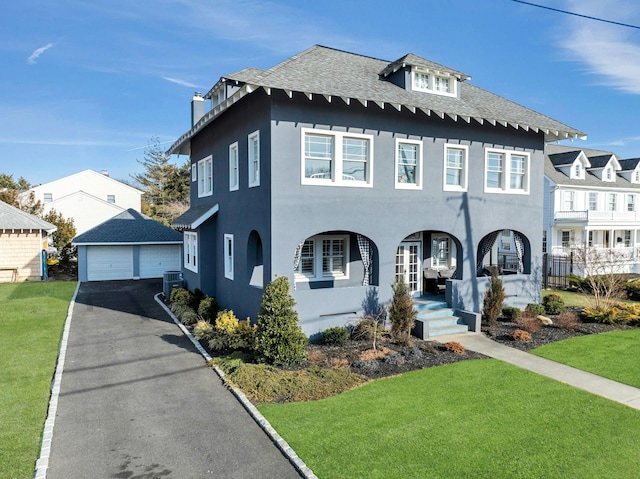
(87, 84)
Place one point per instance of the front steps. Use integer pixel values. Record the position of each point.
(436, 318)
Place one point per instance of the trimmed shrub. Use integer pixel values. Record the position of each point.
(203, 330)
(520, 335)
(511, 313)
(529, 322)
(454, 347)
(535, 308)
(578, 282)
(189, 317)
(208, 309)
(335, 335)
(196, 297)
(553, 303)
(402, 314)
(178, 309)
(279, 339)
(618, 314)
(180, 296)
(567, 320)
(229, 333)
(493, 300)
(633, 289)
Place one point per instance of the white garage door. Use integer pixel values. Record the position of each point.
(109, 262)
(156, 259)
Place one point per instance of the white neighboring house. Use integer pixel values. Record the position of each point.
(591, 200)
(88, 197)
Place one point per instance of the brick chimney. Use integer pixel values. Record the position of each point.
(197, 108)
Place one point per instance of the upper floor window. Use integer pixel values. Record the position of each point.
(254, 159)
(234, 173)
(455, 167)
(506, 172)
(631, 202)
(194, 172)
(568, 200)
(408, 164)
(190, 249)
(205, 177)
(612, 202)
(577, 171)
(593, 201)
(608, 174)
(433, 83)
(336, 158)
(48, 197)
(637, 176)
(111, 198)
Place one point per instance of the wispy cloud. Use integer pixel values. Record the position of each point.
(36, 54)
(177, 81)
(608, 51)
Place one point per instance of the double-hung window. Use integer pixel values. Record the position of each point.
(205, 177)
(568, 198)
(194, 172)
(190, 249)
(234, 173)
(408, 164)
(455, 168)
(254, 159)
(336, 158)
(228, 256)
(324, 257)
(593, 201)
(111, 198)
(611, 204)
(506, 172)
(631, 202)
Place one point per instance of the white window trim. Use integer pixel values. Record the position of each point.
(228, 256)
(580, 175)
(253, 181)
(205, 188)
(408, 186)
(317, 257)
(190, 250)
(337, 177)
(506, 172)
(465, 168)
(111, 199)
(234, 167)
(453, 83)
(194, 172)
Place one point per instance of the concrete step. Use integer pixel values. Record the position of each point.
(435, 313)
(451, 329)
(428, 305)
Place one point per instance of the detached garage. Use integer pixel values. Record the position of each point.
(128, 246)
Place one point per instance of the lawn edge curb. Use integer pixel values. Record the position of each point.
(42, 463)
(264, 424)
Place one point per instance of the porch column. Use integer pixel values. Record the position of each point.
(634, 237)
(612, 239)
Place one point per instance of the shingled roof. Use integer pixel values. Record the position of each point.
(11, 218)
(331, 73)
(129, 227)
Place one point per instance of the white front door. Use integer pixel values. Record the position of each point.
(408, 264)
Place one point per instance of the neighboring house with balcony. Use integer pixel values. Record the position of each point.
(591, 200)
(88, 197)
(344, 172)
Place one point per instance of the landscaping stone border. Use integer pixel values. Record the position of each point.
(45, 449)
(280, 443)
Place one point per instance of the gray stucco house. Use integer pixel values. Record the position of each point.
(342, 171)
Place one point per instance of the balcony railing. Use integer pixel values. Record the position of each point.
(589, 216)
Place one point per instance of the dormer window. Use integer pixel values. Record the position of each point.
(636, 176)
(577, 171)
(433, 83)
(608, 174)
(218, 97)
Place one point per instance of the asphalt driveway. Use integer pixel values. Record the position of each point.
(138, 402)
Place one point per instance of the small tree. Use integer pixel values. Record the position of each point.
(493, 300)
(604, 273)
(279, 339)
(401, 312)
(63, 235)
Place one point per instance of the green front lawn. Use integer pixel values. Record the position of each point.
(32, 319)
(475, 419)
(571, 298)
(613, 355)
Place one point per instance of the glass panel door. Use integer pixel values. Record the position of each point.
(408, 264)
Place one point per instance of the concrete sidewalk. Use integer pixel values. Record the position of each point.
(137, 400)
(598, 385)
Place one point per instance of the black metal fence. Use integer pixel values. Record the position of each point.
(556, 269)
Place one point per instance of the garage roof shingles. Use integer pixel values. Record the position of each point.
(129, 227)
